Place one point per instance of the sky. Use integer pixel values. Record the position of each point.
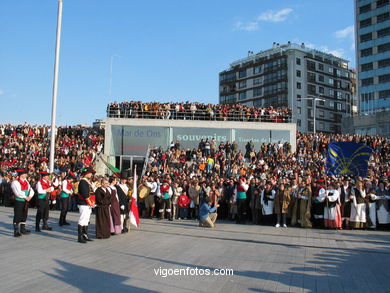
(170, 50)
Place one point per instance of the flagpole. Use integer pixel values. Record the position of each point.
(55, 87)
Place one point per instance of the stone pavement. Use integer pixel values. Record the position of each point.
(263, 259)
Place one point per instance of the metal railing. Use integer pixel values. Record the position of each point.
(276, 117)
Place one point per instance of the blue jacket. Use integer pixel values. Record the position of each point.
(205, 210)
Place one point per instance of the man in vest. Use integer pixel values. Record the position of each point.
(122, 191)
(23, 194)
(86, 201)
(43, 189)
(67, 190)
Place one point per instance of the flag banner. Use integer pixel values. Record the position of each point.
(114, 170)
(347, 158)
(134, 216)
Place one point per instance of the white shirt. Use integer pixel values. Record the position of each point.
(17, 189)
(40, 189)
(64, 187)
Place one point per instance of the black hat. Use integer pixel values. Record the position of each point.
(88, 170)
(21, 171)
(44, 173)
(124, 175)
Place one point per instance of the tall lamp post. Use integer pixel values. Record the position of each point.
(314, 99)
(55, 86)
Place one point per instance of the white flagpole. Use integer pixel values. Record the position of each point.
(55, 86)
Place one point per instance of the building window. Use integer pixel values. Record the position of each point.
(321, 90)
(384, 63)
(321, 102)
(242, 96)
(384, 78)
(309, 103)
(321, 113)
(331, 93)
(365, 8)
(310, 127)
(299, 110)
(299, 86)
(257, 81)
(384, 32)
(257, 70)
(242, 73)
(321, 78)
(339, 106)
(339, 95)
(381, 3)
(321, 66)
(365, 37)
(331, 104)
(298, 73)
(367, 81)
(311, 89)
(384, 48)
(366, 52)
(367, 66)
(321, 126)
(298, 61)
(365, 22)
(299, 98)
(383, 17)
(331, 81)
(384, 94)
(299, 122)
(311, 77)
(309, 113)
(242, 84)
(257, 92)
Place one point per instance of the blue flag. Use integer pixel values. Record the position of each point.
(348, 158)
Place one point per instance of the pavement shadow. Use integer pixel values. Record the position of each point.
(90, 280)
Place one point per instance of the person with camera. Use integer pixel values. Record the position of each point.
(208, 214)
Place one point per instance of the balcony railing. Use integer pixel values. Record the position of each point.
(275, 117)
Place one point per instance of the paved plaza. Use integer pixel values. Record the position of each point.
(263, 259)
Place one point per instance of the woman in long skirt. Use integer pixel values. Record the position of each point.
(115, 214)
(103, 201)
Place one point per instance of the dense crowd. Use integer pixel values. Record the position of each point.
(262, 184)
(198, 111)
(29, 146)
(265, 183)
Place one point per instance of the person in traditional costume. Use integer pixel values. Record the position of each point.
(103, 201)
(23, 194)
(66, 192)
(44, 188)
(358, 206)
(86, 201)
(383, 206)
(122, 192)
(281, 204)
(345, 191)
(301, 211)
(319, 204)
(267, 201)
(166, 194)
(115, 213)
(371, 199)
(151, 198)
(332, 214)
(240, 198)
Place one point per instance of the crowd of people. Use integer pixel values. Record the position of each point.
(198, 111)
(264, 184)
(268, 184)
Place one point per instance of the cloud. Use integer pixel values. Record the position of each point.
(2, 92)
(275, 16)
(349, 31)
(249, 26)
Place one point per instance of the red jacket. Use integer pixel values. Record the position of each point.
(183, 201)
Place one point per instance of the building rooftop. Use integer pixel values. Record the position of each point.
(279, 49)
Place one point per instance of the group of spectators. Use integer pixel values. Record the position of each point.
(29, 146)
(198, 111)
(271, 172)
(262, 184)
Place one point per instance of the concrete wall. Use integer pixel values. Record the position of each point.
(196, 124)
